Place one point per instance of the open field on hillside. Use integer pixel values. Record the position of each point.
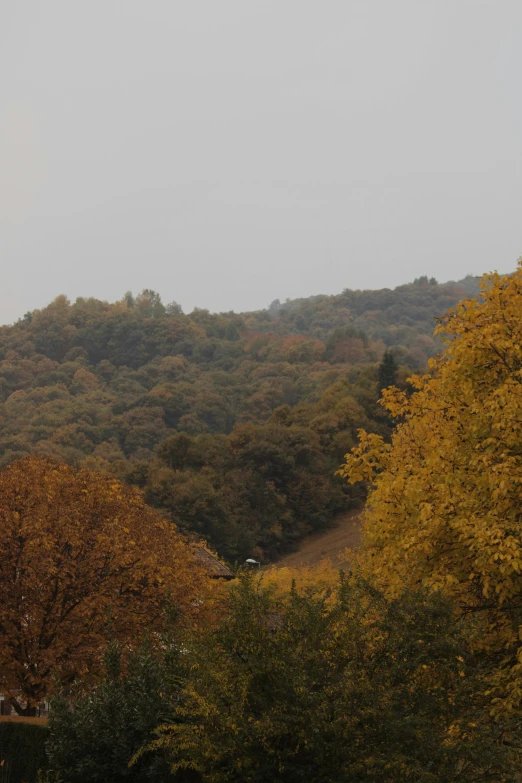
(330, 545)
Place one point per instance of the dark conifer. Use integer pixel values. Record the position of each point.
(387, 371)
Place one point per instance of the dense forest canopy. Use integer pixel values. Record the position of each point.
(233, 424)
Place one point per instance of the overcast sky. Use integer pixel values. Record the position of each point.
(230, 152)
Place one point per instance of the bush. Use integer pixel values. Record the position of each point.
(94, 733)
(334, 687)
(22, 751)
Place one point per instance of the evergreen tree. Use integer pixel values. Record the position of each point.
(387, 371)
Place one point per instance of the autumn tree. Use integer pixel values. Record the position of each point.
(82, 558)
(445, 508)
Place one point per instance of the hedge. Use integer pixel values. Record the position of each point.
(22, 751)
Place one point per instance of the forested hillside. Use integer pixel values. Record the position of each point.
(156, 671)
(233, 424)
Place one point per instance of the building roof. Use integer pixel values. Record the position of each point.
(215, 568)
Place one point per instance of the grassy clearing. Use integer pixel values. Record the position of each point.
(330, 545)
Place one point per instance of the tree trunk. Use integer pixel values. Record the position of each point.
(25, 712)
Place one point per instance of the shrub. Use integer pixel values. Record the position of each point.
(22, 751)
(94, 733)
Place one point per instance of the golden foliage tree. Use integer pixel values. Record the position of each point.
(82, 558)
(445, 508)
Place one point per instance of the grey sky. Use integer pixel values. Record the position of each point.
(228, 152)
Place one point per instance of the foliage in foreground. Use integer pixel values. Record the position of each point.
(445, 509)
(82, 559)
(22, 751)
(331, 687)
(95, 733)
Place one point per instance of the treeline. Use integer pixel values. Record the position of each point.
(402, 317)
(267, 403)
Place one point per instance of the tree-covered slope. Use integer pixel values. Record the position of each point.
(233, 424)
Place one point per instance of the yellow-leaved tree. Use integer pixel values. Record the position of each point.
(445, 503)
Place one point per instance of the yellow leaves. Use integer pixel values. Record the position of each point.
(365, 460)
(426, 511)
(445, 509)
(454, 731)
(320, 577)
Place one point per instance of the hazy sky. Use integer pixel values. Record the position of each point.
(228, 152)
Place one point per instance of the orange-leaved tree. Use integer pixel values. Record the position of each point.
(445, 506)
(82, 558)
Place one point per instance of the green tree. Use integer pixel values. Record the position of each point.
(95, 732)
(148, 304)
(332, 688)
(387, 371)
